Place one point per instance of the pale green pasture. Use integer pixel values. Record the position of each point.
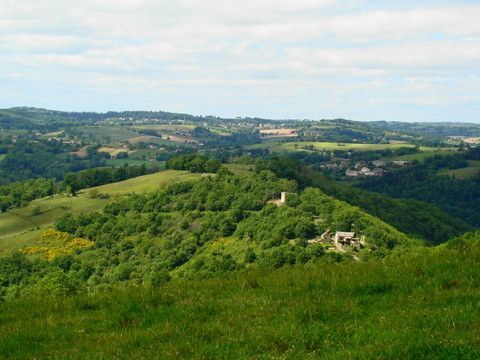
(426, 152)
(471, 170)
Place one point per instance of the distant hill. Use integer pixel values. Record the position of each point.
(35, 118)
(439, 129)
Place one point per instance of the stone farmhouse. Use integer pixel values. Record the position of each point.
(341, 240)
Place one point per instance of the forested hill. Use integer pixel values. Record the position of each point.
(410, 216)
(439, 129)
(35, 118)
(194, 229)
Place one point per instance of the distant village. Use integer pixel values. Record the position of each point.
(364, 168)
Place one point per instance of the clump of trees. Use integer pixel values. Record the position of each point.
(20, 193)
(49, 159)
(194, 163)
(96, 177)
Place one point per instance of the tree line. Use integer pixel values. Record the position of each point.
(20, 193)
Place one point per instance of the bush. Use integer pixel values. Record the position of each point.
(56, 283)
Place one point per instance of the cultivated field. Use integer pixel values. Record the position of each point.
(19, 227)
(278, 133)
(472, 140)
(82, 152)
(112, 151)
(114, 133)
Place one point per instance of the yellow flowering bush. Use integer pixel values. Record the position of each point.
(29, 250)
(52, 234)
(79, 243)
(57, 243)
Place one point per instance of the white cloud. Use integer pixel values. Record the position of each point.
(288, 49)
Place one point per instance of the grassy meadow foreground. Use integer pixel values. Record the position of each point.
(420, 303)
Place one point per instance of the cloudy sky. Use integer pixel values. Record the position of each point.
(362, 60)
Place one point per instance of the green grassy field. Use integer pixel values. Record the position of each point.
(20, 227)
(471, 170)
(426, 153)
(418, 305)
(327, 146)
(114, 133)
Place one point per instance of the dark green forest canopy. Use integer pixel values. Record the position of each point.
(25, 160)
(410, 216)
(457, 197)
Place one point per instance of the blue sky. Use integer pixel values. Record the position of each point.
(314, 59)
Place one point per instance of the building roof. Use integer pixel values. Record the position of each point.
(345, 234)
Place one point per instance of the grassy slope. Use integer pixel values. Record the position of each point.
(471, 170)
(116, 133)
(425, 154)
(19, 227)
(422, 304)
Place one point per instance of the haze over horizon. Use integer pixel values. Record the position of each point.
(359, 60)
